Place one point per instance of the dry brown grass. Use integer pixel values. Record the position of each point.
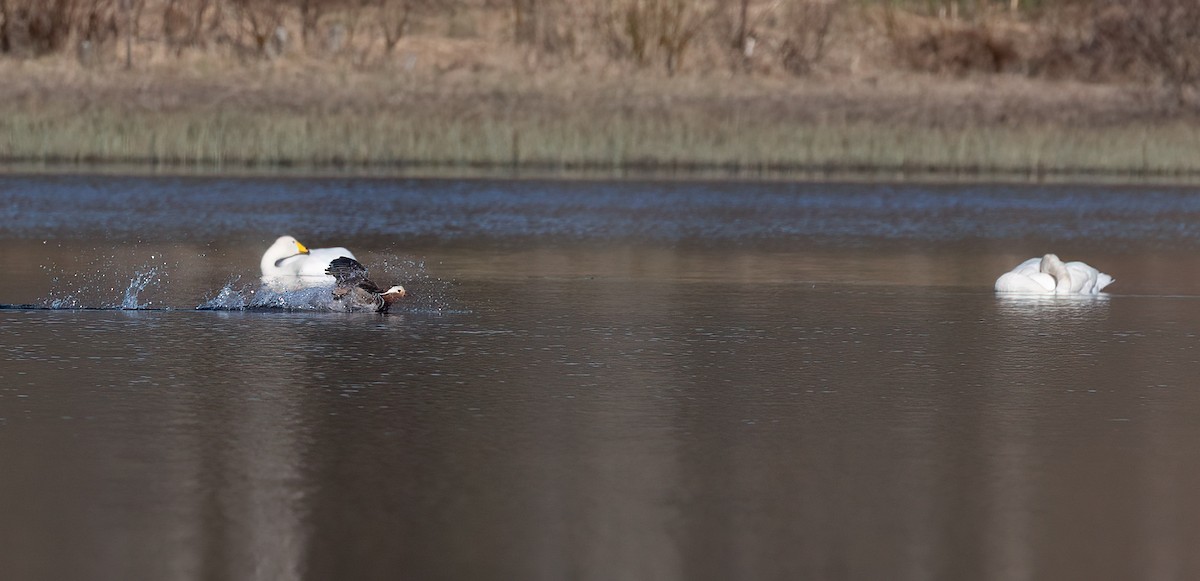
(460, 88)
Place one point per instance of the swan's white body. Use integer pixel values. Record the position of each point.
(288, 265)
(1049, 275)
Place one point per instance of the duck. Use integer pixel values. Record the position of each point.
(289, 265)
(356, 292)
(1050, 275)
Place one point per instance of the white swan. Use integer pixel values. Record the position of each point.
(289, 265)
(1049, 275)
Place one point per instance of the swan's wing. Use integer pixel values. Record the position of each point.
(1084, 278)
(1026, 277)
(331, 253)
(318, 259)
(1014, 282)
(1044, 280)
(1029, 267)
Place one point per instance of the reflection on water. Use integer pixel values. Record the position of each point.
(619, 409)
(680, 430)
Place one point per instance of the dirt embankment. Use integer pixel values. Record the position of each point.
(696, 71)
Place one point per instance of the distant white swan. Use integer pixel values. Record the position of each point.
(1049, 275)
(289, 265)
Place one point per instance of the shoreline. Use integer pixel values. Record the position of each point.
(629, 137)
(415, 172)
(204, 113)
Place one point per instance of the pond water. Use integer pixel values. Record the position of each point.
(597, 380)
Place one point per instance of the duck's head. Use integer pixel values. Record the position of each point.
(393, 294)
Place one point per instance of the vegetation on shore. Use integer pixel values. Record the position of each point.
(1012, 88)
(233, 139)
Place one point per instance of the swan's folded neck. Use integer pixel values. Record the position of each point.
(1054, 267)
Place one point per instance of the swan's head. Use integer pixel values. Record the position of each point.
(1053, 266)
(284, 247)
(289, 245)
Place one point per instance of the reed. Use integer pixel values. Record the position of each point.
(617, 140)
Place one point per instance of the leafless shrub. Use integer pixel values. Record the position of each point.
(954, 46)
(95, 28)
(742, 29)
(396, 17)
(738, 31)
(1105, 40)
(390, 18)
(1162, 35)
(343, 25)
(679, 23)
(1169, 37)
(262, 20)
(310, 18)
(541, 26)
(185, 23)
(525, 21)
(97, 21)
(35, 27)
(393, 18)
(643, 29)
(806, 25)
(1154, 41)
(633, 25)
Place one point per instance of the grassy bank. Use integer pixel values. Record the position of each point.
(591, 140)
(893, 88)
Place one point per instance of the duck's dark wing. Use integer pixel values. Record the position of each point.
(347, 271)
(369, 286)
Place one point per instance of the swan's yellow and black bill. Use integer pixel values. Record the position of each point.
(301, 248)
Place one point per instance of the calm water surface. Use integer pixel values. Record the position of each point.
(597, 381)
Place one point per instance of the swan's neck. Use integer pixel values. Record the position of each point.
(1052, 266)
(279, 263)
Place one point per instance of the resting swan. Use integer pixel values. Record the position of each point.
(356, 292)
(1049, 275)
(289, 265)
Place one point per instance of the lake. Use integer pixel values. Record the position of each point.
(597, 380)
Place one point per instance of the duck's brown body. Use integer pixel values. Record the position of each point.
(356, 291)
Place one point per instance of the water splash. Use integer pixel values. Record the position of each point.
(317, 298)
(68, 302)
(141, 279)
(231, 297)
(68, 289)
(226, 299)
(426, 293)
(88, 289)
